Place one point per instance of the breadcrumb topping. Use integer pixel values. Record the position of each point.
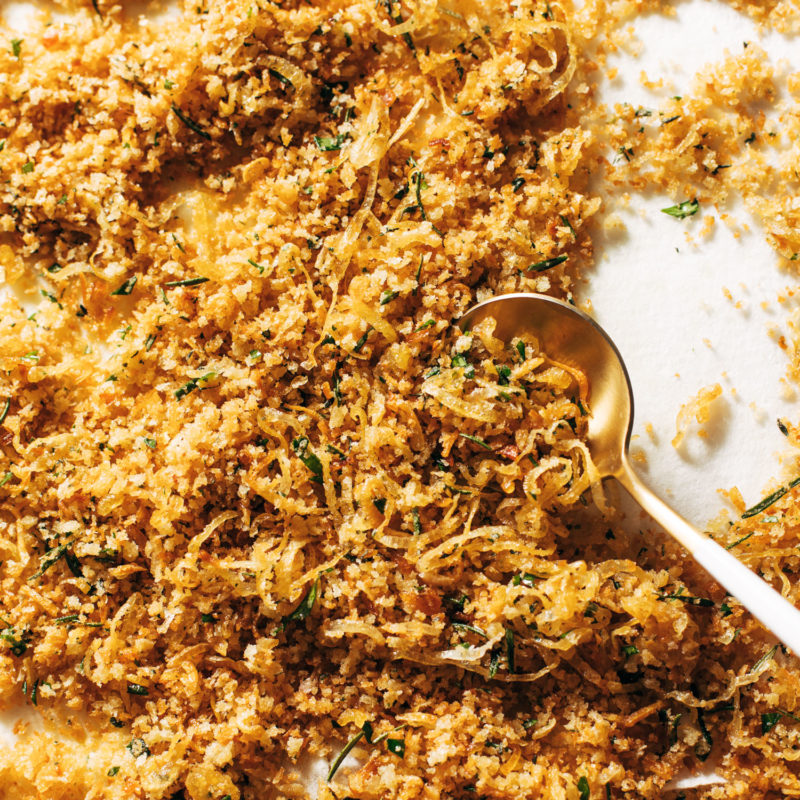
(264, 505)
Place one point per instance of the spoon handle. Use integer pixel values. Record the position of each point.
(771, 609)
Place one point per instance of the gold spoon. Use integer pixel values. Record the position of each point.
(575, 339)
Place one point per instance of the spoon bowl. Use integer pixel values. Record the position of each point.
(571, 337)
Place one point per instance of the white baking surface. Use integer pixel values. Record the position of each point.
(661, 298)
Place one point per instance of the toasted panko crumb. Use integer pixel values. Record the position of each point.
(261, 499)
(697, 411)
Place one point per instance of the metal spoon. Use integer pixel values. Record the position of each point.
(574, 338)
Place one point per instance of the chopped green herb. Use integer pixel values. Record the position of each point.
(387, 297)
(416, 521)
(208, 618)
(255, 264)
(431, 373)
(583, 788)
(53, 556)
(548, 263)
(66, 620)
(192, 384)
(5, 410)
(685, 598)
(494, 664)
(477, 441)
(525, 579)
(397, 747)
(398, 20)
(343, 754)
(306, 605)
(18, 645)
(6, 478)
(769, 721)
(35, 692)
(27, 167)
(337, 384)
(739, 541)
(282, 79)
(112, 772)
(419, 271)
(703, 748)
(16, 47)
(568, 224)
(626, 152)
(127, 287)
(521, 350)
(770, 499)
(149, 342)
(419, 185)
(72, 562)
(380, 504)
(503, 375)
(190, 123)
(138, 747)
(329, 143)
(187, 388)
(517, 184)
(138, 689)
(725, 610)
(529, 723)
(116, 723)
(509, 640)
(761, 661)
(463, 626)
(363, 340)
(427, 324)
(682, 210)
(782, 427)
(151, 443)
(630, 650)
(186, 282)
(312, 462)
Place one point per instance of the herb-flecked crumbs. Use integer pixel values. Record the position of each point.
(308, 516)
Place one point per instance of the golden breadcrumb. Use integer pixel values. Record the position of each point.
(263, 505)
